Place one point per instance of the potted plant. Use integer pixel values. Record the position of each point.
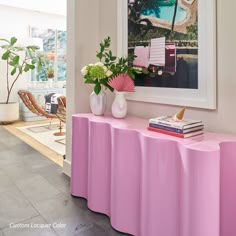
(18, 60)
(50, 76)
(99, 74)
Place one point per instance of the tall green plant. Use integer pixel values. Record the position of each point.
(19, 60)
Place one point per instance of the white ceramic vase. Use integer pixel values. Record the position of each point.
(98, 103)
(50, 82)
(119, 105)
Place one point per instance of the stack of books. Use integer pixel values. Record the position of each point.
(182, 129)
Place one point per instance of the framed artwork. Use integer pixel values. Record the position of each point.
(52, 43)
(175, 46)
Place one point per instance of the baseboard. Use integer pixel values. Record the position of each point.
(67, 167)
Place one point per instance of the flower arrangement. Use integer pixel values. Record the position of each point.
(108, 67)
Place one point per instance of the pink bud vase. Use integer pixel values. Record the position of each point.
(119, 105)
(98, 103)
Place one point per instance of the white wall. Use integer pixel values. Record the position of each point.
(52, 7)
(16, 22)
(91, 25)
(86, 27)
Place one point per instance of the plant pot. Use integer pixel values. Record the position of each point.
(9, 112)
(50, 82)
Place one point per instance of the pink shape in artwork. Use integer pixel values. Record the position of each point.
(142, 56)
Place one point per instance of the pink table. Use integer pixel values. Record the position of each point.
(151, 184)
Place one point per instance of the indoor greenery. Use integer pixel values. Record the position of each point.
(107, 67)
(18, 60)
(50, 72)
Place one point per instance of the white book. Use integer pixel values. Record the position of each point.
(168, 121)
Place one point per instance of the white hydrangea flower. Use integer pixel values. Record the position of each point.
(108, 73)
(105, 68)
(84, 70)
(99, 64)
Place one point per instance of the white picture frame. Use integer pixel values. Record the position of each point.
(205, 95)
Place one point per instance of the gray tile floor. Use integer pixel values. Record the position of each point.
(35, 198)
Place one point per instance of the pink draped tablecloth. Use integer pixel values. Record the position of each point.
(151, 184)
